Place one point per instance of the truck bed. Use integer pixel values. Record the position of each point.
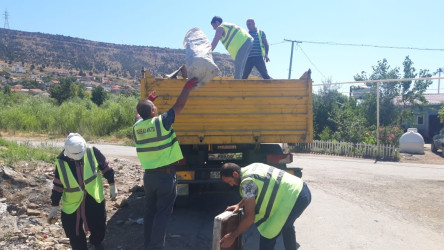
(227, 111)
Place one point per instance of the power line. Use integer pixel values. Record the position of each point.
(382, 80)
(371, 45)
(311, 61)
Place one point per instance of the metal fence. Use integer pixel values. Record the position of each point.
(383, 152)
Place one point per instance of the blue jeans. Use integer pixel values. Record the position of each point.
(288, 232)
(160, 195)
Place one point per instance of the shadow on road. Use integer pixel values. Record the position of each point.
(190, 227)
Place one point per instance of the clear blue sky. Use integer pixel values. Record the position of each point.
(164, 23)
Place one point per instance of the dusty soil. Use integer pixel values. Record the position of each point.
(427, 158)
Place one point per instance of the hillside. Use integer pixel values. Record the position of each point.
(97, 58)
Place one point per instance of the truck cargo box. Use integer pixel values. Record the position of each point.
(238, 111)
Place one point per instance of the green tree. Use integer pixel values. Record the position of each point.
(387, 92)
(441, 113)
(99, 95)
(65, 90)
(398, 100)
(412, 93)
(7, 90)
(326, 104)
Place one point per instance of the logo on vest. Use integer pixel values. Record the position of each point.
(146, 130)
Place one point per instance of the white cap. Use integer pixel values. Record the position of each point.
(75, 146)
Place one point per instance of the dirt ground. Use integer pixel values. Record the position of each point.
(427, 158)
(25, 203)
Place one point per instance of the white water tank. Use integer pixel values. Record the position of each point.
(411, 142)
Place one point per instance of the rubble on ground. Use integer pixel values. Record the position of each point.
(25, 191)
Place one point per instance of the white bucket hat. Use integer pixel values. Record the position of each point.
(75, 146)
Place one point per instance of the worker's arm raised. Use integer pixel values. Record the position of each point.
(244, 224)
(183, 97)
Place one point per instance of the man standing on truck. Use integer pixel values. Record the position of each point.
(236, 40)
(258, 53)
(271, 198)
(158, 150)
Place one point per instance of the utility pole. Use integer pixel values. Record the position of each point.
(6, 25)
(439, 80)
(291, 56)
(377, 119)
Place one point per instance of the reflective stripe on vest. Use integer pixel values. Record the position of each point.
(277, 194)
(234, 38)
(72, 192)
(156, 147)
(259, 34)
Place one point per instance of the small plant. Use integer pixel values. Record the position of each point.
(7, 236)
(390, 135)
(369, 138)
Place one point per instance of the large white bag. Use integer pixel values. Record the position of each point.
(199, 57)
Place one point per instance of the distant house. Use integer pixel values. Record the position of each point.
(18, 69)
(426, 120)
(116, 89)
(35, 76)
(36, 91)
(3, 65)
(358, 92)
(17, 86)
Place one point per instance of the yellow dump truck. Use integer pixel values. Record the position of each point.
(241, 121)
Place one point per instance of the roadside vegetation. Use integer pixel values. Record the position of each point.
(11, 152)
(72, 113)
(336, 116)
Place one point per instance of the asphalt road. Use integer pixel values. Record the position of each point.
(357, 204)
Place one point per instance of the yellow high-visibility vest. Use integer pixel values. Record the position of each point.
(277, 194)
(156, 147)
(72, 195)
(233, 38)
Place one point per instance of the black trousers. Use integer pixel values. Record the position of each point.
(259, 63)
(96, 219)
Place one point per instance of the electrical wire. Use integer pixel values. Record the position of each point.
(310, 61)
(371, 45)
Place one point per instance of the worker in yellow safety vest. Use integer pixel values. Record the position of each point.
(78, 183)
(236, 40)
(271, 198)
(158, 150)
(258, 53)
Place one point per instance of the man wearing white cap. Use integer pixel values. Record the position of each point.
(79, 185)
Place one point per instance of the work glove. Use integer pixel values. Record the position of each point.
(52, 216)
(191, 83)
(152, 96)
(113, 192)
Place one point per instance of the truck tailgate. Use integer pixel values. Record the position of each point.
(238, 111)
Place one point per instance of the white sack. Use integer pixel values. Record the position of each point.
(199, 57)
